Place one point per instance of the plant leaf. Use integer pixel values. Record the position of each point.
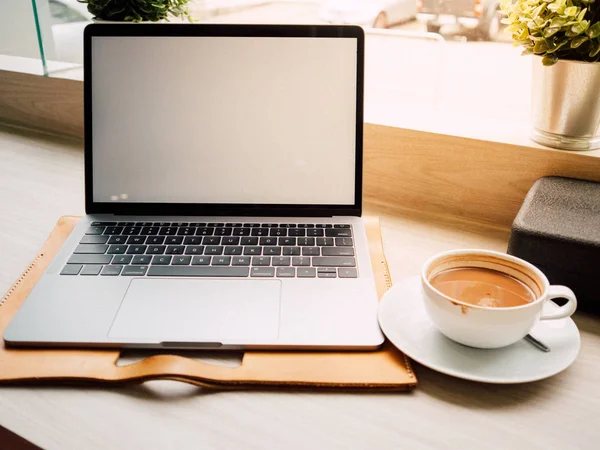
(594, 30)
(575, 43)
(549, 60)
(571, 11)
(549, 32)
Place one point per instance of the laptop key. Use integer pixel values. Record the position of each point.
(192, 240)
(296, 232)
(204, 231)
(91, 248)
(341, 225)
(198, 271)
(180, 224)
(291, 251)
(261, 260)
(117, 240)
(181, 260)
(311, 251)
(95, 230)
(326, 274)
(314, 232)
(175, 250)
(241, 231)
(112, 231)
(103, 224)
(194, 250)
(136, 249)
(223, 231)
(249, 241)
(233, 250)
(91, 269)
(252, 250)
(129, 231)
(260, 231)
(338, 232)
(287, 241)
(286, 272)
(89, 259)
(343, 242)
(301, 261)
(168, 231)
(337, 251)
(141, 260)
(116, 249)
(155, 240)
(333, 261)
(215, 225)
(281, 261)
(322, 242)
(211, 241)
(306, 272)
(308, 241)
(221, 260)
(201, 260)
(278, 232)
(268, 241)
(156, 250)
(122, 259)
(240, 261)
(347, 273)
(272, 251)
(133, 271)
(93, 239)
(327, 270)
(173, 240)
(136, 240)
(262, 272)
(111, 270)
(213, 250)
(71, 269)
(186, 231)
(230, 240)
(161, 260)
(150, 231)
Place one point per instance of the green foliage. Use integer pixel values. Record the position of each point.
(555, 29)
(137, 10)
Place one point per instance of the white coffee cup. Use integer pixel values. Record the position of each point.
(490, 327)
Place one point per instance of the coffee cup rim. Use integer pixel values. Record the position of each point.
(482, 252)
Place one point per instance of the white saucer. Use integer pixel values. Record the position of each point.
(403, 319)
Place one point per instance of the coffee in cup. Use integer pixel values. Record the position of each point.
(488, 299)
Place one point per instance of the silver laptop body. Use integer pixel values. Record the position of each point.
(223, 177)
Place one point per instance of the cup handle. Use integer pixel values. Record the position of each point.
(567, 309)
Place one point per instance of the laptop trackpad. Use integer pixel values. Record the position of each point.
(187, 311)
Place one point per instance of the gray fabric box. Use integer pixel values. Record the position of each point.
(558, 230)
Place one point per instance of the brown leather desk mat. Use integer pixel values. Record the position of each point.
(385, 369)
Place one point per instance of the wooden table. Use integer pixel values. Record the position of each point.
(41, 179)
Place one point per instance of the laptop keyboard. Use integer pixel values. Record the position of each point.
(181, 249)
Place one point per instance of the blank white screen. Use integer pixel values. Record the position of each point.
(249, 120)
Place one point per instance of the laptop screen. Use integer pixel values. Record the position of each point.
(224, 119)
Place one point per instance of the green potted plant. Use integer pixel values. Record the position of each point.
(564, 37)
(137, 10)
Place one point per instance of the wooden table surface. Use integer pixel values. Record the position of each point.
(41, 179)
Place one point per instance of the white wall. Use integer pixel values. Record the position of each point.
(18, 35)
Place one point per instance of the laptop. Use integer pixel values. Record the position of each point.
(223, 184)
